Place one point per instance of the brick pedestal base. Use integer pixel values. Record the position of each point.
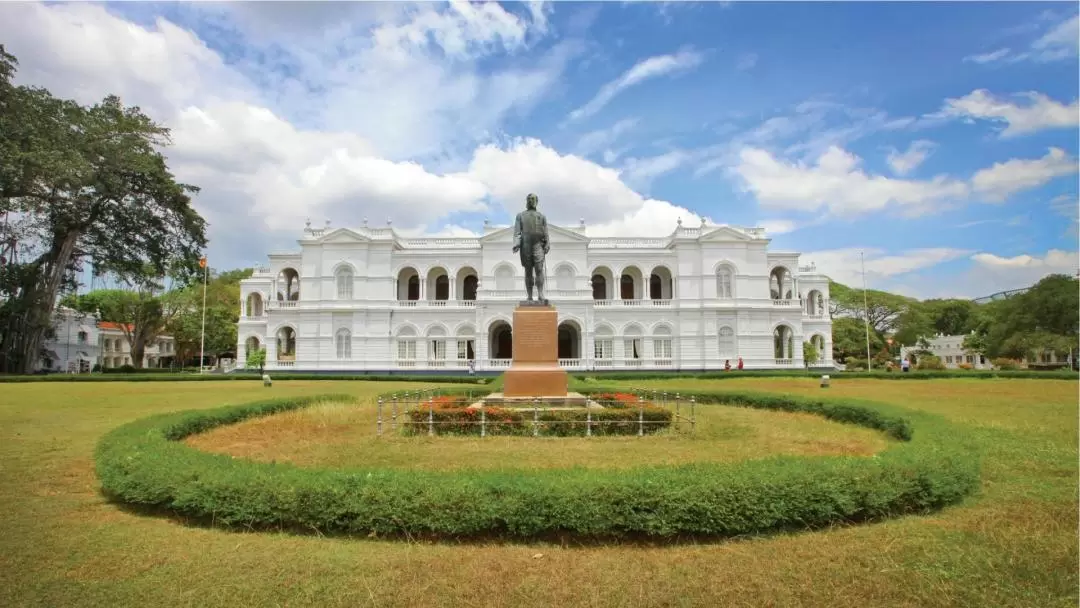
(535, 371)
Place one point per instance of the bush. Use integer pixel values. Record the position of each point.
(1004, 363)
(855, 364)
(929, 362)
(145, 463)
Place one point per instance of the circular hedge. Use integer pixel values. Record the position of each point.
(145, 464)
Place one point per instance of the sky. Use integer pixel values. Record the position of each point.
(938, 139)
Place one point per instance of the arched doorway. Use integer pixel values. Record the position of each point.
(501, 341)
(569, 340)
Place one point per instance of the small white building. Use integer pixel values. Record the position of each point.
(74, 346)
(950, 349)
(116, 350)
(369, 299)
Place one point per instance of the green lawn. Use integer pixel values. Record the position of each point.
(1014, 544)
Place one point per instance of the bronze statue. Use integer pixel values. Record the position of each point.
(531, 239)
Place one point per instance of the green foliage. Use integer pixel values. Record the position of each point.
(222, 314)
(142, 315)
(553, 423)
(809, 353)
(256, 359)
(929, 362)
(83, 183)
(882, 309)
(145, 463)
(849, 339)
(1005, 363)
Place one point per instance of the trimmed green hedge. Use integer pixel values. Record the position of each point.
(143, 463)
(496, 381)
(842, 375)
(196, 377)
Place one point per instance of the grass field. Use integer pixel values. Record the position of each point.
(343, 435)
(1013, 544)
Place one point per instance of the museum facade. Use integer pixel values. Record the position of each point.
(369, 299)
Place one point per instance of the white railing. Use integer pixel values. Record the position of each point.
(784, 361)
(570, 363)
(434, 303)
(628, 243)
(632, 303)
(498, 363)
(278, 304)
(786, 302)
(284, 364)
(815, 315)
(662, 362)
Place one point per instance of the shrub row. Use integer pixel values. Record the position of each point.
(554, 423)
(144, 463)
(151, 376)
(843, 375)
(837, 411)
(275, 376)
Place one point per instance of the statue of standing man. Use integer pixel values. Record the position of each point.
(531, 239)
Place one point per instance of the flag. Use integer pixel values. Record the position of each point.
(202, 262)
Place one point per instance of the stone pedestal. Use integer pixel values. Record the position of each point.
(535, 371)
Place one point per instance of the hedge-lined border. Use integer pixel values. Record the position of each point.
(579, 376)
(145, 464)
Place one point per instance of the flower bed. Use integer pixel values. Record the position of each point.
(576, 422)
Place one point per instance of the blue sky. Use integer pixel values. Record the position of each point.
(938, 138)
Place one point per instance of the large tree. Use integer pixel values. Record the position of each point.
(1046, 317)
(142, 314)
(83, 183)
(222, 314)
(883, 309)
(849, 339)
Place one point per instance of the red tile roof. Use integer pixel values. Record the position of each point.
(111, 325)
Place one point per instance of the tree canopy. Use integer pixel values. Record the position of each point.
(82, 183)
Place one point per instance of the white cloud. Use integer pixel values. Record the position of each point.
(993, 273)
(653, 67)
(774, 227)
(257, 168)
(1068, 207)
(990, 57)
(746, 61)
(844, 265)
(903, 163)
(1040, 113)
(570, 188)
(837, 184)
(603, 139)
(1061, 41)
(1004, 179)
(639, 172)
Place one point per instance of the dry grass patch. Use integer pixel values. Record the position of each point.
(343, 436)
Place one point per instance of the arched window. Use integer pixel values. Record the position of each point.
(564, 278)
(727, 343)
(599, 287)
(724, 289)
(603, 346)
(344, 283)
(343, 343)
(662, 346)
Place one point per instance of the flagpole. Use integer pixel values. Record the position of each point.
(202, 332)
(866, 310)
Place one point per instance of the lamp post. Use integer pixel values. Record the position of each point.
(866, 310)
(202, 332)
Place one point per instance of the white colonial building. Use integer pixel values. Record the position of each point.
(369, 299)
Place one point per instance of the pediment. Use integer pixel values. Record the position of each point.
(343, 235)
(556, 234)
(725, 233)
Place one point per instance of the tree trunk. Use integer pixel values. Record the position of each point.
(55, 264)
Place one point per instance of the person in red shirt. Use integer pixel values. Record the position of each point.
(740, 362)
